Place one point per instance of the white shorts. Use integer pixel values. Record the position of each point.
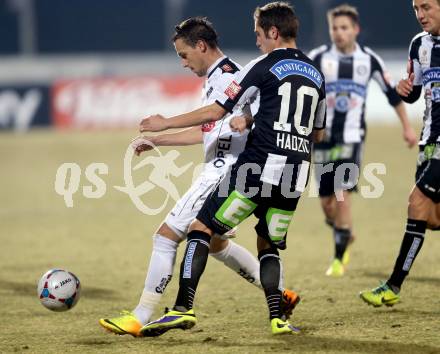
(187, 208)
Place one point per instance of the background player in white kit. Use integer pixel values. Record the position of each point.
(348, 68)
(195, 42)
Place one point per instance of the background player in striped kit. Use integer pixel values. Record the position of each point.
(195, 42)
(424, 200)
(348, 68)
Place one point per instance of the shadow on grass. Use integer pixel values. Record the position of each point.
(30, 289)
(384, 276)
(288, 343)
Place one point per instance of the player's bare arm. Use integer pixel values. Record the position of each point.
(409, 134)
(157, 123)
(190, 136)
(405, 86)
(318, 135)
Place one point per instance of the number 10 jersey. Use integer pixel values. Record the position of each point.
(287, 93)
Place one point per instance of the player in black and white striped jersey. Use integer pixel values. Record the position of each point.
(348, 67)
(424, 200)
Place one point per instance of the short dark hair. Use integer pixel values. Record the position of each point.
(280, 15)
(344, 10)
(196, 29)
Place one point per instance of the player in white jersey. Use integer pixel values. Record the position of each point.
(424, 199)
(348, 68)
(195, 42)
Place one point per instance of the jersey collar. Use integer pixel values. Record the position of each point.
(336, 51)
(214, 66)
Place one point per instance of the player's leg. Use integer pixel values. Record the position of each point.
(191, 269)
(162, 260)
(328, 206)
(424, 197)
(271, 230)
(160, 270)
(218, 215)
(419, 208)
(434, 218)
(345, 177)
(324, 172)
(237, 258)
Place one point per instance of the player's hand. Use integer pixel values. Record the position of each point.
(142, 143)
(410, 137)
(154, 123)
(405, 86)
(238, 124)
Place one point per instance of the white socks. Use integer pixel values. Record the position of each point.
(241, 261)
(160, 271)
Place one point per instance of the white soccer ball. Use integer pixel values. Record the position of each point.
(59, 290)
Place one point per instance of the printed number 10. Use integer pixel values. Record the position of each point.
(285, 91)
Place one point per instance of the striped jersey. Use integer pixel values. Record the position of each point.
(424, 56)
(287, 92)
(347, 78)
(222, 146)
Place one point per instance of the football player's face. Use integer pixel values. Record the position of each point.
(343, 32)
(192, 57)
(428, 15)
(265, 44)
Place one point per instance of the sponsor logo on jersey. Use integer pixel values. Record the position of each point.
(431, 75)
(289, 67)
(207, 127)
(342, 103)
(346, 86)
(227, 68)
(233, 90)
(423, 56)
(223, 148)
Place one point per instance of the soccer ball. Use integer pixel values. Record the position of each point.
(59, 290)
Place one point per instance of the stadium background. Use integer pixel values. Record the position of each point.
(95, 65)
(120, 52)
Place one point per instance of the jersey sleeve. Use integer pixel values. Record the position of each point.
(242, 88)
(383, 78)
(321, 110)
(414, 61)
(316, 53)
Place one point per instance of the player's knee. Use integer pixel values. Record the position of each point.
(197, 225)
(419, 205)
(167, 232)
(434, 219)
(217, 245)
(328, 207)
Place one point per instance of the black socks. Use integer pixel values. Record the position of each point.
(192, 268)
(411, 244)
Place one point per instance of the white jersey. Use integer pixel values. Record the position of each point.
(222, 146)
